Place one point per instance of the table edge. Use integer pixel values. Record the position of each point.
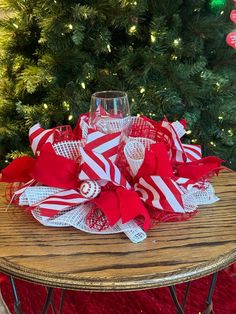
(122, 284)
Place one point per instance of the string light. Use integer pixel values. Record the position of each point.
(222, 12)
(70, 26)
(153, 37)
(177, 41)
(188, 132)
(142, 90)
(173, 57)
(109, 48)
(70, 117)
(66, 105)
(194, 140)
(220, 118)
(45, 106)
(133, 29)
(83, 85)
(230, 132)
(125, 3)
(217, 86)
(132, 100)
(15, 25)
(213, 144)
(6, 161)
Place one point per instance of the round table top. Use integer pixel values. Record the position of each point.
(172, 253)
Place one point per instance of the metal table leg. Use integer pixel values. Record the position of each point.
(17, 305)
(48, 301)
(209, 303)
(180, 307)
(62, 301)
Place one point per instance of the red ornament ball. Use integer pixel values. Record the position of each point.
(231, 39)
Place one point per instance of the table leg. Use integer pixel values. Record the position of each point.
(180, 307)
(48, 301)
(17, 306)
(62, 301)
(209, 303)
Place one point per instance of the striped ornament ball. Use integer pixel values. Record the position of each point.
(90, 189)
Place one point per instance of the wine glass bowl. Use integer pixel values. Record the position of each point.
(109, 111)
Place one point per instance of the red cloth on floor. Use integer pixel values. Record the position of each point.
(153, 301)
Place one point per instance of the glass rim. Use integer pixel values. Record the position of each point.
(122, 94)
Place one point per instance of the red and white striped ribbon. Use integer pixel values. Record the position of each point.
(60, 201)
(193, 152)
(96, 167)
(24, 187)
(105, 144)
(162, 193)
(39, 136)
(177, 151)
(184, 183)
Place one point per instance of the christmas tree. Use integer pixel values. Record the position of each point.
(170, 57)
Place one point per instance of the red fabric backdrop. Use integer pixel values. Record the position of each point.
(152, 301)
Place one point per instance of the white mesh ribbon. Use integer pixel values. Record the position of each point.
(76, 217)
(68, 149)
(199, 194)
(179, 128)
(146, 142)
(134, 152)
(35, 194)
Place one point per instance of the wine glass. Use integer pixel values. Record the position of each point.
(110, 112)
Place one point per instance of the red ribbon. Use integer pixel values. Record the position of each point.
(122, 203)
(54, 170)
(199, 169)
(49, 169)
(19, 170)
(156, 162)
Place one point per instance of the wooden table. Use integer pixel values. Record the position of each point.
(172, 253)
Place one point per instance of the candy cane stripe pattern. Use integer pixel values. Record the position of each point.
(52, 205)
(184, 183)
(105, 144)
(95, 166)
(161, 193)
(193, 152)
(39, 136)
(177, 152)
(24, 187)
